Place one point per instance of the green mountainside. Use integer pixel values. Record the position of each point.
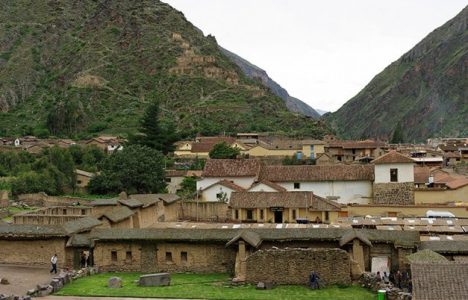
(425, 92)
(74, 68)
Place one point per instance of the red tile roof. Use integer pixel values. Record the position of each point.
(231, 168)
(317, 173)
(392, 157)
(273, 185)
(282, 199)
(228, 184)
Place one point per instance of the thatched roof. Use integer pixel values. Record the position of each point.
(168, 198)
(282, 199)
(132, 203)
(231, 168)
(18, 231)
(118, 214)
(354, 234)
(317, 173)
(401, 238)
(446, 247)
(393, 157)
(81, 225)
(250, 237)
(104, 202)
(426, 256)
(444, 280)
(80, 240)
(151, 199)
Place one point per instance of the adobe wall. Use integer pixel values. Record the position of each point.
(206, 211)
(32, 252)
(43, 219)
(4, 200)
(42, 199)
(394, 193)
(153, 257)
(293, 266)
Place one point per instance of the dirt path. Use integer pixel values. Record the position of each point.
(22, 278)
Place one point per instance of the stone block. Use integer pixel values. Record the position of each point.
(56, 284)
(45, 292)
(4, 281)
(114, 283)
(31, 292)
(260, 286)
(158, 279)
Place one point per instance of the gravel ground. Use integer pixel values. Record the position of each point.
(22, 278)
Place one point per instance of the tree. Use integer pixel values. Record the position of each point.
(154, 133)
(223, 150)
(397, 136)
(188, 187)
(135, 169)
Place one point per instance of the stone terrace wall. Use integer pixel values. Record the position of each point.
(394, 193)
(293, 266)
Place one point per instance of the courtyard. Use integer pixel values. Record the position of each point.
(203, 286)
(23, 278)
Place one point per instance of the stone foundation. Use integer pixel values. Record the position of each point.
(293, 266)
(394, 193)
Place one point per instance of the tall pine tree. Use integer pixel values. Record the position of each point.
(153, 133)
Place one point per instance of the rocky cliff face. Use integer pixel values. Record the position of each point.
(70, 67)
(424, 92)
(254, 72)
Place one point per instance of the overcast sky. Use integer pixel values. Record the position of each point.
(323, 52)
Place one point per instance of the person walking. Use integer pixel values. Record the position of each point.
(53, 261)
(398, 279)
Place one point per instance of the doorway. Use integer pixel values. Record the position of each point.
(278, 217)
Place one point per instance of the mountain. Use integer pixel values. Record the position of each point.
(321, 111)
(424, 93)
(76, 68)
(254, 72)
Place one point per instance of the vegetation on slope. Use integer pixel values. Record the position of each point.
(424, 92)
(75, 68)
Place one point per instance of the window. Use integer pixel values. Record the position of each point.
(64, 211)
(83, 212)
(168, 179)
(249, 214)
(79, 182)
(327, 216)
(297, 185)
(113, 255)
(393, 175)
(128, 255)
(339, 158)
(168, 256)
(294, 214)
(261, 214)
(183, 256)
(237, 214)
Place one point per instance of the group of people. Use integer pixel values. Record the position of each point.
(84, 261)
(399, 279)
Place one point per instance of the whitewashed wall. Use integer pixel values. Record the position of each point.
(348, 191)
(262, 188)
(405, 172)
(209, 194)
(244, 182)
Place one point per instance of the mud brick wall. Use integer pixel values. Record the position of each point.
(394, 193)
(293, 266)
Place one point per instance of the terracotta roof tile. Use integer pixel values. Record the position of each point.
(317, 173)
(273, 185)
(442, 280)
(228, 184)
(231, 168)
(282, 199)
(392, 157)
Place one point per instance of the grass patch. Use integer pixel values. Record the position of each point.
(204, 286)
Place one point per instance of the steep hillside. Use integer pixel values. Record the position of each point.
(73, 67)
(254, 72)
(425, 92)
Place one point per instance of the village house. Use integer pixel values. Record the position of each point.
(350, 151)
(201, 147)
(394, 179)
(343, 183)
(83, 178)
(174, 178)
(107, 144)
(243, 252)
(282, 207)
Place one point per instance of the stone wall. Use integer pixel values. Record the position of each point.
(205, 211)
(32, 252)
(293, 266)
(394, 193)
(164, 257)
